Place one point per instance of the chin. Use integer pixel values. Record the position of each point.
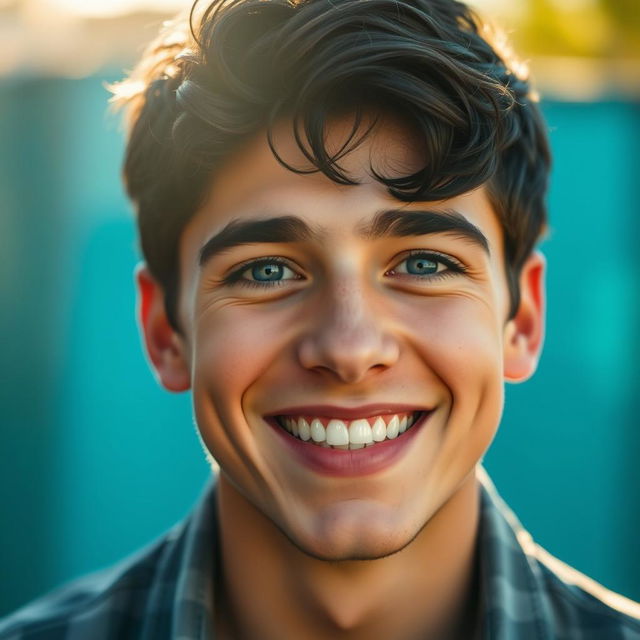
(354, 539)
(357, 550)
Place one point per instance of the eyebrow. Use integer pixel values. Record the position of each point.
(239, 232)
(389, 223)
(400, 223)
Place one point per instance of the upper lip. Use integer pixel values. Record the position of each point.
(347, 413)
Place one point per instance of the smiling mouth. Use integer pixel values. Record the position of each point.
(360, 433)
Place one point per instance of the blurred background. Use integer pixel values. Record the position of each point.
(96, 460)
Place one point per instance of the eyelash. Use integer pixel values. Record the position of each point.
(235, 277)
(453, 266)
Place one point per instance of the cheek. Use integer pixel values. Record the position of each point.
(460, 340)
(233, 347)
(457, 330)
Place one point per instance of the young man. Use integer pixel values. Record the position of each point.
(338, 204)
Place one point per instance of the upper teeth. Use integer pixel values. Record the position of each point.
(345, 434)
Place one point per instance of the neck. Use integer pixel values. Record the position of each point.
(426, 590)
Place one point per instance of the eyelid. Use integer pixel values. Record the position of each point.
(452, 264)
(234, 275)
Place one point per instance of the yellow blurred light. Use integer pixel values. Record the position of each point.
(574, 5)
(106, 8)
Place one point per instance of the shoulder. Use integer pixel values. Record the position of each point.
(532, 594)
(106, 604)
(582, 608)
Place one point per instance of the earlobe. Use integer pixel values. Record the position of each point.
(164, 345)
(524, 333)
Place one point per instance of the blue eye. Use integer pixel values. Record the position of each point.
(421, 266)
(267, 272)
(428, 266)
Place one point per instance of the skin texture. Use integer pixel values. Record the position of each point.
(346, 326)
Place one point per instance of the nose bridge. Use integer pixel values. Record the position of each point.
(348, 335)
(351, 314)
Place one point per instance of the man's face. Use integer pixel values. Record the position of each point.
(360, 316)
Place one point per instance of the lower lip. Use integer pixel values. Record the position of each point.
(349, 463)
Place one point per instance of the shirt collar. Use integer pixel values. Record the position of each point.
(513, 604)
(194, 596)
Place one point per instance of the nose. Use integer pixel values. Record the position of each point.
(347, 337)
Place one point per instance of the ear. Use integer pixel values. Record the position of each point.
(166, 348)
(524, 333)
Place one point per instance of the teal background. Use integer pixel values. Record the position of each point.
(96, 460)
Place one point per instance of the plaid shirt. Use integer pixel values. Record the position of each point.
(166, 590)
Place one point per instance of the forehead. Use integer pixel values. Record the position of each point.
(388, 149)
(253, 184)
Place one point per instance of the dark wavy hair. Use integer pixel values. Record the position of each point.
(207, 84)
